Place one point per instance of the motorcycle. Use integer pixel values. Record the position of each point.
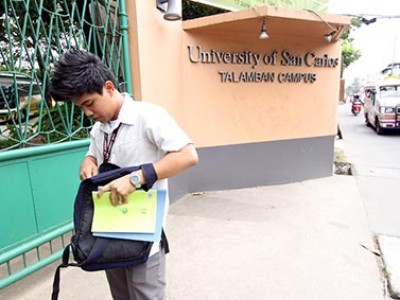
(356, 106)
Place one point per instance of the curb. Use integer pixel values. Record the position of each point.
(390, 252)
(340, 160)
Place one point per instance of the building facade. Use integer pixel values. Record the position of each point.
(260, 111)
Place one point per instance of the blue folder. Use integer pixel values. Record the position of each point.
(139, 236)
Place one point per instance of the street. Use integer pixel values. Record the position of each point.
(376, 161)
(376, 167)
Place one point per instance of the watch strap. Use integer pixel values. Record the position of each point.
(150, 176)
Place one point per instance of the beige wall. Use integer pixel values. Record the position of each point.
(230, 113)
(155, 56)
(223, 113)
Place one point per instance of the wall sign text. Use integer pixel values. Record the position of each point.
(310, 59)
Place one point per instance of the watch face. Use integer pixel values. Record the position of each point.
(135, 179)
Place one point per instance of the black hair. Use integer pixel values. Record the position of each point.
(77, 72)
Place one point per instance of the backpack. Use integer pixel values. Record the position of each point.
(93, 253)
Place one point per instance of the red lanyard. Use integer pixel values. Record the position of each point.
(107, 146)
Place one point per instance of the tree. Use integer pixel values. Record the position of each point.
(33, 34)
(349, 53)
(193, 10)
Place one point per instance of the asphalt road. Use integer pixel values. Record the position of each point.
(376, 161)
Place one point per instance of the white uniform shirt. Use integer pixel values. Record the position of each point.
(148, 132)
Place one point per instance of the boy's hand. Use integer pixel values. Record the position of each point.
(119, 190)
(88, 168)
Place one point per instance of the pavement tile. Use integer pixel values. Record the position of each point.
(299, 241)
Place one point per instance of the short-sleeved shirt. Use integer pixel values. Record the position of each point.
(147, 133)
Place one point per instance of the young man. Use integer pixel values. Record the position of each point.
(126, 133)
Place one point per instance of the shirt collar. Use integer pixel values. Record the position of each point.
(125, 116)
(127, 112)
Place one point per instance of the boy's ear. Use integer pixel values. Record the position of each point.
(108, 85)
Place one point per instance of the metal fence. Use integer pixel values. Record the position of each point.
(30, 256)
(33, 35)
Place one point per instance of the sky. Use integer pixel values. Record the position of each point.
(378, 42)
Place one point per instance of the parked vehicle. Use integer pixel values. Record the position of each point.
(20, 101)
(392, 71)
(382, 105)
(356, 105)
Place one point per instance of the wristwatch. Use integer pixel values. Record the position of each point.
(135, 180)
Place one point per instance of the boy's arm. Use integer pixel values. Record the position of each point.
(176, 162)
(171, 164)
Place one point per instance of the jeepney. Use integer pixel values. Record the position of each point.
(382, 105)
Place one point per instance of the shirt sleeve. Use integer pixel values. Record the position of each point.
(94, 149)
(162, 130)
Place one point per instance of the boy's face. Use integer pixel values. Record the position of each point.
(102, 108)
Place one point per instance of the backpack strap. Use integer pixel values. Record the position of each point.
(164, 241)
(65, 263)
(101, 178)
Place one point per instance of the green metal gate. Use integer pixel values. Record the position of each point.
(34, 33)
(38, 184)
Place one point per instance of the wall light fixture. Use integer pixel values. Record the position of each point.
(170, 8)
(263, 35)
(328, 37)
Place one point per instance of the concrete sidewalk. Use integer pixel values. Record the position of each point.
(305, 240)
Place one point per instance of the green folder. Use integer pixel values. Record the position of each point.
(138, 215)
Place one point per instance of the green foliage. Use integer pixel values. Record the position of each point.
(193, 10)
(349, 53)
(315, 5)
(13, 137)
(355, 23)
(63, 123)
(33, 35)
